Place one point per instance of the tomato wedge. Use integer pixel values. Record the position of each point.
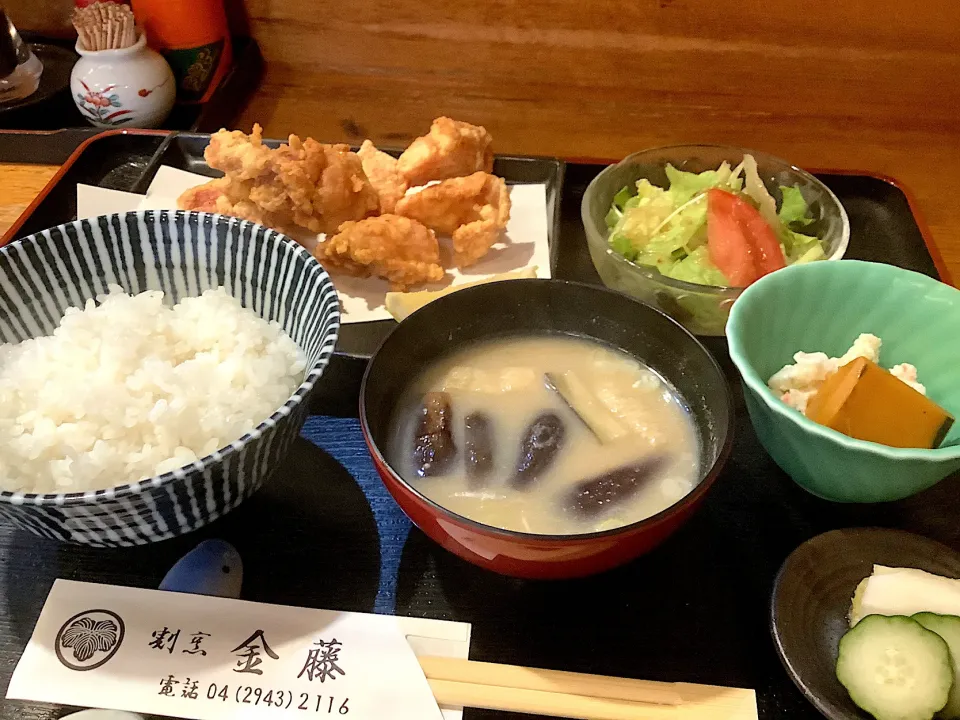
(741, 243)
(763, 239)
(729, 248)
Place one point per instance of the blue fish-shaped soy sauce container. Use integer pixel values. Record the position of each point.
(212, 568)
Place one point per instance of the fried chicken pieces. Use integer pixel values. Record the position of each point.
(376, 218)
(468, 204)
(395, 248)
(302, 185)
(473, 210)
(202, 198)
(450, 149)
(382, 172)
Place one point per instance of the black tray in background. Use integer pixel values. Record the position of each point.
(52, 107)
(695, 609)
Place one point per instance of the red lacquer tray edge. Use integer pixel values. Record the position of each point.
(945, 275)
(14, 229)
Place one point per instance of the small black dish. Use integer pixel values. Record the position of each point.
(58, 63)
(811, 601)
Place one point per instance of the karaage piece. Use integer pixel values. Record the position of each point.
(202, 198)
(302, 183)
(395, 248)
(325, 185)
(238, 155)
(451, 149)
(231, 198)
(473, 210)
(381, 170)
(449, 204)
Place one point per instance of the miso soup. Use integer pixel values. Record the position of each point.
(548, 435)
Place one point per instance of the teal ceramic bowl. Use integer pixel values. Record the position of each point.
(824, 307)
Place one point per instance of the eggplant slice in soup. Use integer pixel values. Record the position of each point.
(540, 446)
(605, 492)
(434, 449)
(478, 447)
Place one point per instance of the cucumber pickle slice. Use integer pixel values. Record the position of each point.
(895, 669)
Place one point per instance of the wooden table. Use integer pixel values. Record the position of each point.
(925, 162)
(19, 185)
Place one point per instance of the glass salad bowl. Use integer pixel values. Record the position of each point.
(702, 309)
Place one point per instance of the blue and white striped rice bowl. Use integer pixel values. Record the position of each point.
(182, 254)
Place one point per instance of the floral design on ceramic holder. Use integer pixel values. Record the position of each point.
(97, 105)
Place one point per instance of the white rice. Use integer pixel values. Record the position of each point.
(129, 388)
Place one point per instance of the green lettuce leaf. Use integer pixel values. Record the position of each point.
(686, 185)
(697, 268)
(797, 245)
(642, 215)
(677, 234)
(621, 201)
(621, 198)
(613, 217)
(621, 244)
(815, 252)
(794, 210)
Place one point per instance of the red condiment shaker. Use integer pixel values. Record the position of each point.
(194, 38)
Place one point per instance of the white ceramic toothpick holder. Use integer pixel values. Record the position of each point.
(130, 87)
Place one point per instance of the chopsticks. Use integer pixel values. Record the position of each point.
(574, 695)
(449, 670)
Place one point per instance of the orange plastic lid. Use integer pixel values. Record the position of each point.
(174, 24)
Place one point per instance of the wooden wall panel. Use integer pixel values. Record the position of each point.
(655, 70)
(51, 18)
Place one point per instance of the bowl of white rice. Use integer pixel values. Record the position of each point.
(155, 368)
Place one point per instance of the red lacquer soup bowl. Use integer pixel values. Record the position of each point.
(540, 307)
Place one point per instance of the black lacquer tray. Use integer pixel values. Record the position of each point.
(324, 532)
